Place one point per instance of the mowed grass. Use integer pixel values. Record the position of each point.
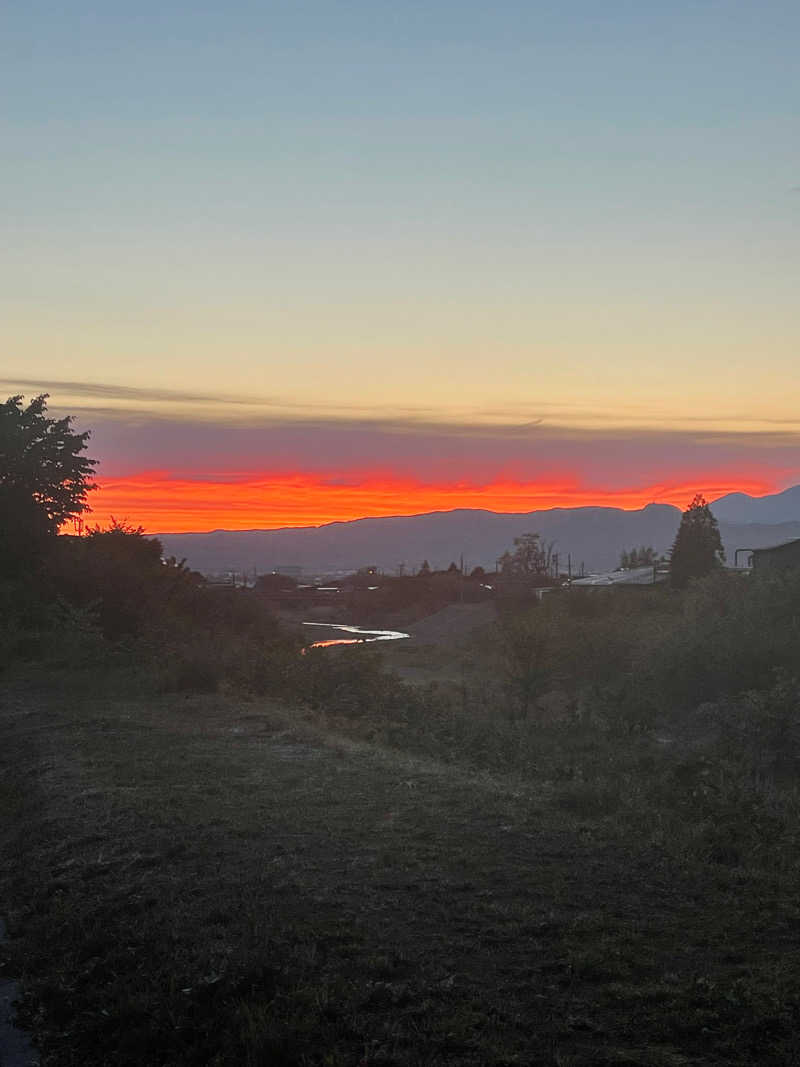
(208, 880)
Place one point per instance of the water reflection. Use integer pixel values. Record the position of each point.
(362, 636)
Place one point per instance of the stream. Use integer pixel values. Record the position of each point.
(363, 635)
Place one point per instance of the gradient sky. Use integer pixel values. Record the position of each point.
(301, 261)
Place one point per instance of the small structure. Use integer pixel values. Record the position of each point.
(635, 576)
(777, 557)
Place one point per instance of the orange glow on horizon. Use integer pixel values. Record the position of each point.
(165, 504)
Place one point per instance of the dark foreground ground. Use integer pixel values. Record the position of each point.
(208, 881)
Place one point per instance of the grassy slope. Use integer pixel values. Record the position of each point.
(204, 880)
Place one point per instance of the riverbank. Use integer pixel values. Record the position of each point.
(209, 879)
(440, 648)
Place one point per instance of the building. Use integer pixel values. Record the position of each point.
(777, 557)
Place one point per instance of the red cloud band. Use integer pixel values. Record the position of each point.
(159, 502)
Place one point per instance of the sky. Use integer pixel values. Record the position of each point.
(299, 262)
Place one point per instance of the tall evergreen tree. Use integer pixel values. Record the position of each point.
(697, 549)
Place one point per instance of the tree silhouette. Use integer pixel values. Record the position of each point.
(44, 480)
(644, 556)
(506, 563)
(531, 556)
(697, 549)
(41, 462)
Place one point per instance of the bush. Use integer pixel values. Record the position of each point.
(760, 730)
(732, 633)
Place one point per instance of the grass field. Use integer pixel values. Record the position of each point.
(213, 880)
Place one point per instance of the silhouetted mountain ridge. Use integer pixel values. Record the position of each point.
(771, 509)
(592, 536)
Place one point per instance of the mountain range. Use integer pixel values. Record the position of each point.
(591, 538)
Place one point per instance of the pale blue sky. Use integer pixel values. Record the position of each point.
(497, 205)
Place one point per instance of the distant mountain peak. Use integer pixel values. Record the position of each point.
(769, 509)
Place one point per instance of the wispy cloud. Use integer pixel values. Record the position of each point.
(117, 392)
(144, 396)
(134, 405)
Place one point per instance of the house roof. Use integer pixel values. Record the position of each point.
(635, 576)
(773, 548)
